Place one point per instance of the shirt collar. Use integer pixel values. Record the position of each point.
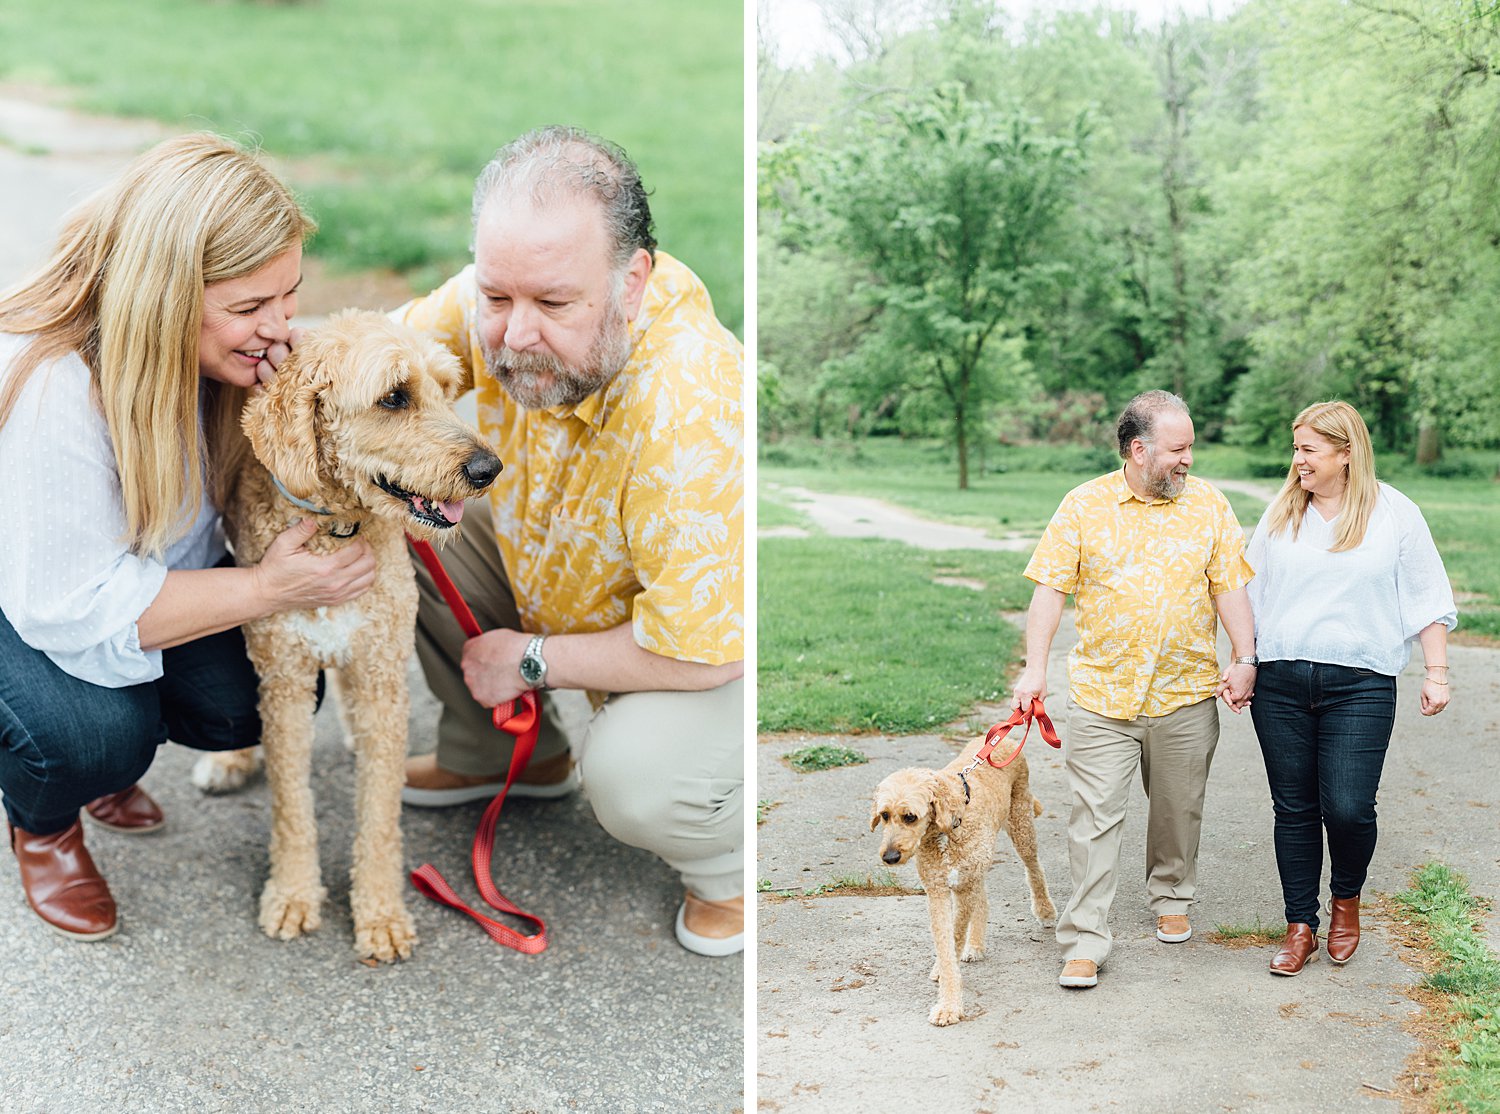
(595, 410)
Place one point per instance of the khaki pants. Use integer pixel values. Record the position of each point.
(1173, 753)
(664, 771)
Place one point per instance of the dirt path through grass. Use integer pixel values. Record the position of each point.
(861, 516)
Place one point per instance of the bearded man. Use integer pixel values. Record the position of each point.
(1150, 555)
(612, 557)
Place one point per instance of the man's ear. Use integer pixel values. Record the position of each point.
(637, 272)
(281, 421)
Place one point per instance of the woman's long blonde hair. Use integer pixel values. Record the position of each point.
(1339, 424)
(124, 290)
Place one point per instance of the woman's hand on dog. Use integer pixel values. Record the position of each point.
(290, 577)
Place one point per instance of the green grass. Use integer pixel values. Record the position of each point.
(771, 512)
(855, 635)
(1469, 975)
(823, 756)
(1256, 931)
(380, 112)
(883, 882)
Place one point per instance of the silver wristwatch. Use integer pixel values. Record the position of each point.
(1251, 660)
(533, 665)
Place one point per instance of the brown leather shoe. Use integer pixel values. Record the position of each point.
(1079, 974)
(714, 928)
(1343, 929)
(62, 885)
(1298, 950)
(428, 785)
(130, 811)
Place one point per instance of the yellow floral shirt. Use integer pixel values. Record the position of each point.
(630, 505)
(1144, 576)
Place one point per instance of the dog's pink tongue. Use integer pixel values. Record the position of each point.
(452, 511)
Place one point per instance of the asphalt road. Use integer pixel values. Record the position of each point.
(843, 985)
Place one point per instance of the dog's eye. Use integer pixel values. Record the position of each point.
(394, 400)
(908, 818)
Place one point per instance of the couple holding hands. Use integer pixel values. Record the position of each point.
(1339, 577)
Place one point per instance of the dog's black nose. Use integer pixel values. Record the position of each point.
(893, 857)
(482, 468)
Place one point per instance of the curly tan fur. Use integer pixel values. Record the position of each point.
(925, 816)
(361, 402)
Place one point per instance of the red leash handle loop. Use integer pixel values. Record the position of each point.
(521, 718)
(1036, 712)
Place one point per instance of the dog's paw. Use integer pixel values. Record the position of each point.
(1045, 912)
(972, 954)
(387, 938)
(945, 1015)
(226, 771)
(286, 914)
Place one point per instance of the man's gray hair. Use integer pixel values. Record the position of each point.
(1138, 419)
(556, 161)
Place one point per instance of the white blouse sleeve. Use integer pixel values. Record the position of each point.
(1422, 588)
(68, 584)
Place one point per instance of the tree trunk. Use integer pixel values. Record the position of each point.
(1429, 442)
(1173, 185)
(963, 448)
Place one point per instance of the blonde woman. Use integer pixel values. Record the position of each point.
(123, 366)
(1346, 576)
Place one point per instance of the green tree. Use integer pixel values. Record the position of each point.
(949, 206)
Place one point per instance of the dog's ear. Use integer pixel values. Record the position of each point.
(445, 368)
(281, 421)
(874, 814)
(947, 802)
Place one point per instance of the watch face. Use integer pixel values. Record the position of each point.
(531, 670)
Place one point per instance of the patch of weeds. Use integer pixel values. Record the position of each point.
(762, 808)
(882, 884)
(763, 886)
(1247, 935)
(823, 756)
(1465, 983)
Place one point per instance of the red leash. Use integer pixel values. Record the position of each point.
(522, 718)
(1000, 730)
(1018, 717)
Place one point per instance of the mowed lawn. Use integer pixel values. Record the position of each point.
(381, 112)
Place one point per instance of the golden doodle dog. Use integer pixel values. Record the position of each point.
(358, 430)
(926, 815)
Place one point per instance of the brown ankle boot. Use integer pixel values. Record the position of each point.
(62, 885)
(130, 811)
(1299, 949)
(1343, 929)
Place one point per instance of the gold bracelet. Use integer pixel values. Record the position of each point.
(1430, 680)
(1434, 667)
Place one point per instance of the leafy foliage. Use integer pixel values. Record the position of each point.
(1297, 202)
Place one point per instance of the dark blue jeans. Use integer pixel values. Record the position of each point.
(1323, 731)
(64, 742)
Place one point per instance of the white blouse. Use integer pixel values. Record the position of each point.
(1359, 608)
(69, 586)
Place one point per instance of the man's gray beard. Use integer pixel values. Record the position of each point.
(539, 380)
(1163, 485)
